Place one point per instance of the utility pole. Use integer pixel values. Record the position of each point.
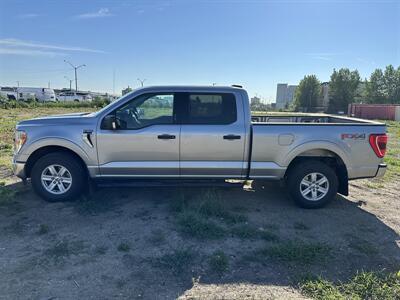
(141, 81)
(76, 76)
(17, 90)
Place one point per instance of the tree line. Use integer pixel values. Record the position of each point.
(346, 86)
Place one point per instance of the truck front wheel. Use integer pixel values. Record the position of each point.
(57, 177)
(312, 184)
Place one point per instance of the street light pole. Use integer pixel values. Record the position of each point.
(17, 90)
(141, 81)
(75, 69)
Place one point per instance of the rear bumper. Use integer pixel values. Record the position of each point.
(381, 170)
(19, 169)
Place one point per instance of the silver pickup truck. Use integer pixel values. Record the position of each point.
(197, 133)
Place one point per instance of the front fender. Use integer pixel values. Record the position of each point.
(55, 141)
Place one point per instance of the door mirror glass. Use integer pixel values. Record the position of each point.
(109, 122)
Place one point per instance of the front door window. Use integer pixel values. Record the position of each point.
(146, 110)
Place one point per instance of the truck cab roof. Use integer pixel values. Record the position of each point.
(183, 88)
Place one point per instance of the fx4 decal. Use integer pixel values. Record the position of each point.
(353, 136)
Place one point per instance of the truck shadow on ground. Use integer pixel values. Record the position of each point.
(154, 242)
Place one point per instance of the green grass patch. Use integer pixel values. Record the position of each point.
(7, 195)
(178, 261)
(392, 157)
(365, 285)
(124, 247)
(12, 104)
(211, 204)
(297, 252)
(268, 235)
(219, 262)
(245, 231)
(194, 225)
(204, 216)
(208, 216)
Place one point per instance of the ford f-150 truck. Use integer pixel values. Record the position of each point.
(197, 133)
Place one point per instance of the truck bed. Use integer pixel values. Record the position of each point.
(260, 119)
(278, 138)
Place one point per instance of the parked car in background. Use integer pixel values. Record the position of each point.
(197, 133)
(39, 94)
(74, 96)
(9, 93)
(26, 96)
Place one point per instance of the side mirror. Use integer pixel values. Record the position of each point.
(109, 123)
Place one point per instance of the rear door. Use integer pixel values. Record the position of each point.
(212, 136)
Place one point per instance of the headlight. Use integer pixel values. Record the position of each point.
(19, 141)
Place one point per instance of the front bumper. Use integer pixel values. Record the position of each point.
(381, 170)
(19, 169)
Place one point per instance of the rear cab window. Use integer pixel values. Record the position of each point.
(211, 108)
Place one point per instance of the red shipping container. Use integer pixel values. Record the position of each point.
(374, 111)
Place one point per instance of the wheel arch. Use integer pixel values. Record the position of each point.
(42, 151)
(327, 156)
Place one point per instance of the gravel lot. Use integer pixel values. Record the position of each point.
(129, 243)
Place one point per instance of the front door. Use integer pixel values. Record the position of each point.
(145, 141)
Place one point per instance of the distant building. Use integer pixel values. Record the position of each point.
(284, 95)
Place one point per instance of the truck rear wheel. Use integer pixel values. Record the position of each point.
(312, 184)
(58, 176)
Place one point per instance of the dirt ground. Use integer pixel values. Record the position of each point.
(126, 243)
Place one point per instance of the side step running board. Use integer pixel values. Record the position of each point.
(167, 183)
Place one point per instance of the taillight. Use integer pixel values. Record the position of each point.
(378, 143)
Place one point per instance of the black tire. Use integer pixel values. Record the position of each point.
(300, 171)
(76, 171)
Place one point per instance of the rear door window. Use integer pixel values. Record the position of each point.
(213, 109)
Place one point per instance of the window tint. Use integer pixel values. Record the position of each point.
(211, 109)
(146, 110)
